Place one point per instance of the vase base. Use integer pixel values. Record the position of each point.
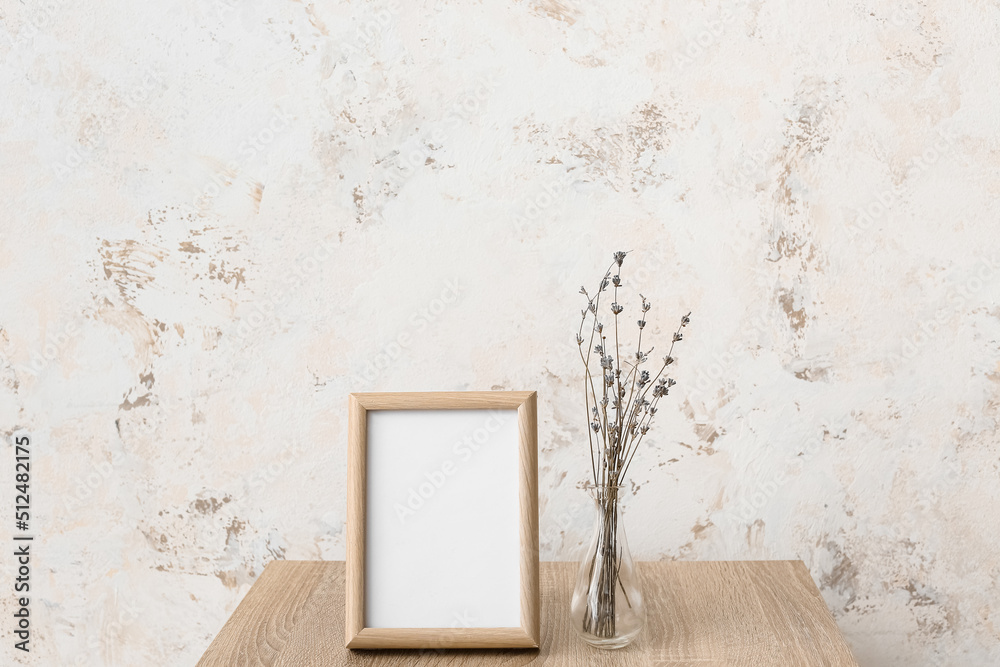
(611, 643)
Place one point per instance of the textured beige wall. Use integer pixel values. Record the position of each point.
(219, 218)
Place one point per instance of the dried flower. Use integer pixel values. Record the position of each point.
(631, 393)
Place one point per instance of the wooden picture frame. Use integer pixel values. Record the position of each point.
(516, 541)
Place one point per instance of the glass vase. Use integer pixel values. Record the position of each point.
(607, 610)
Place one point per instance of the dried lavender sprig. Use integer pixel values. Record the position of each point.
(638, 348)
(619, 437)
(667, 360)
(593, 307)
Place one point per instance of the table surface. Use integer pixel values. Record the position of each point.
(702, 614)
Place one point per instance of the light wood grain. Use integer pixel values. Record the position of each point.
(700, 614)
(443, 400)
(357, 448)
(261, 627)
(527, 424)
(442, 638)
(356, 635)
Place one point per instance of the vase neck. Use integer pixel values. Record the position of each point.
(607, 494)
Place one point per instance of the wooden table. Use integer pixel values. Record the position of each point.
(702, 614)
